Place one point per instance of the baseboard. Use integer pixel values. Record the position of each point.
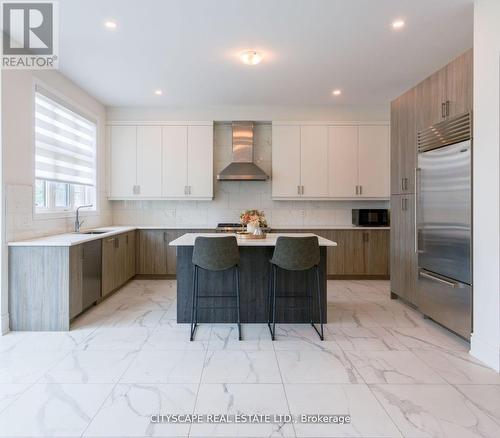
(357, 277)
(485, 352)
(155, 277)
(5, 323)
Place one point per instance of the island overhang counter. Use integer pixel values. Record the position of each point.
(254, 271)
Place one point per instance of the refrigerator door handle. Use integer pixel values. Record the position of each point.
(417, 182)
(429, 276)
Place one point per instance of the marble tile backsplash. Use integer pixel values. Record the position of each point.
(232, 197)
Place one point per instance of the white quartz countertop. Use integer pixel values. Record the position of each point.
(70, 239)
(270, 240)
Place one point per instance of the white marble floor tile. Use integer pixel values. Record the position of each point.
(90, 366)
(429, 338)
(10, 392)
(365, 339)
(26, 366)
(133, 318)
(164, 366)
(485, 398)
(128, 410)
(392, 367)
(231, 366)
(437, 411)
(236, 399)
(458, 367)
(254, 337)
(302, 337)
(46, 410)
(12, 339)
(304, 366)
(121, 338)
(341, 318)
(367, 417)
(173, 336)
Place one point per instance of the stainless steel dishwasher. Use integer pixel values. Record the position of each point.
(92, 270)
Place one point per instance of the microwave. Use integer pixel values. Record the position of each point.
(369, 217)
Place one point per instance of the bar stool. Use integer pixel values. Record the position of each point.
(295, 254)
(215, 254)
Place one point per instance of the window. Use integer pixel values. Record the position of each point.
(65, 157)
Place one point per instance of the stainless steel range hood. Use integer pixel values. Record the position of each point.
(242, 168)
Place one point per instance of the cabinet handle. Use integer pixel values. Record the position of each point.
(189, 190)
(447, 108)
(360, 189)
(406, 184)
(443, 110)
(402, 183)
(165, 238)
(126, 239)
(302, 190)
(298, 190)
(357, 190)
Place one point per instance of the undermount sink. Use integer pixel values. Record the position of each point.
(93, 232)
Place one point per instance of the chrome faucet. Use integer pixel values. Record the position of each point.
(78, 224)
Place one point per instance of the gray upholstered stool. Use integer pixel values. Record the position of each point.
(215, 254)
(295, 254)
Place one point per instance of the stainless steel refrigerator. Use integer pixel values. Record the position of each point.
(443, 223)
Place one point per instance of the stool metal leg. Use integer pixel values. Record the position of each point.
(194, 306)
(275, 281)
(320, 307)
(269, 295)
(237, 274)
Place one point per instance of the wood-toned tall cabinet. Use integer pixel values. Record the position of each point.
(444, 94)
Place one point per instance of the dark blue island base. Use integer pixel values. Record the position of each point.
(254, 279)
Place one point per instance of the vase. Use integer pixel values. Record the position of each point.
(251, 228)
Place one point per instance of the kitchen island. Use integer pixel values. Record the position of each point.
(254, 278)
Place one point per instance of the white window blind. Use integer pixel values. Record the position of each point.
(65, 143)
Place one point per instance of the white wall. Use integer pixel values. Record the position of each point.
(18, 158)
(485, 343)
(256, 113)
(231, 197)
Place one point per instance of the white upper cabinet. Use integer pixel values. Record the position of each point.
(149, 170)
(374, 161)
(200, 161)
(123, 172)
(161, 162)
(175, 161)
(322, 161)
(313, 165)
(286, 161)
(343, 161)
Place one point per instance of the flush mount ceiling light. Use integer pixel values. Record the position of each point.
(337, 92)
(110, 24)
(398, 24)
(251, 57)
(158, 92)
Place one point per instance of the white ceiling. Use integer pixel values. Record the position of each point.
(188, 48)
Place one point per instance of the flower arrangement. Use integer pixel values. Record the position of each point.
(253, 217)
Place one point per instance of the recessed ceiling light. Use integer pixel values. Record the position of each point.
(251, 57)
(110, 24)
(158, 92)
(337, 92)
(398, 24)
